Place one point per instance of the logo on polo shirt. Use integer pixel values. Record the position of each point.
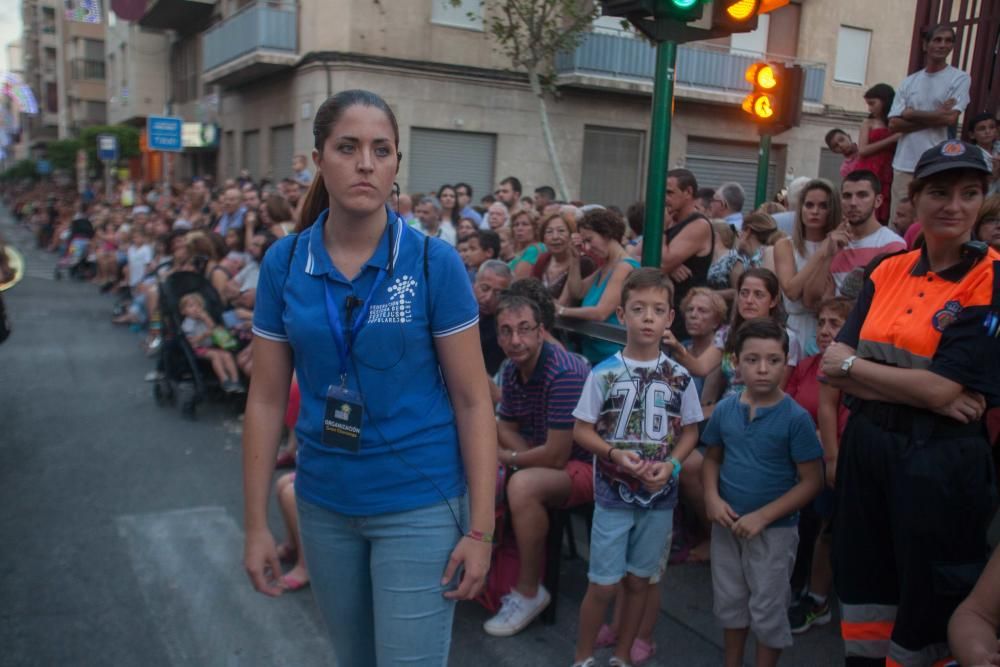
(946, 316)
(399, 310)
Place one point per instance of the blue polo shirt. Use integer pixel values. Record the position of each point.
(409, 455)
(760, 456)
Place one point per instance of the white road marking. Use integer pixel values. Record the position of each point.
(188, 564)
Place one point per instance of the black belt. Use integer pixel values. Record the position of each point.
(908, 420)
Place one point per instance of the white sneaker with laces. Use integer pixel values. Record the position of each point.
(589, 662)
(516, 612)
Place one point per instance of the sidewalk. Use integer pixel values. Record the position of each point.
(686, 633)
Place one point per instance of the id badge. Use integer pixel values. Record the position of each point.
(342, 419)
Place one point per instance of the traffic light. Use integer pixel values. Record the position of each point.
(776, 101)
(683, 11)
(731, 16)
(680, 10)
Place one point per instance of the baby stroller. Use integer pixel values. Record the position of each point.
(75, 260)
(184, 377)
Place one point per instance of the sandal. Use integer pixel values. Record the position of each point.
(285, 459)
(287, 553)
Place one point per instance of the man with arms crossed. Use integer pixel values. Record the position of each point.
(927, 104)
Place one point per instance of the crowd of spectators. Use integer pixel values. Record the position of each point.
(796, 264)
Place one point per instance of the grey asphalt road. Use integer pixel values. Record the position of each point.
(121, 522)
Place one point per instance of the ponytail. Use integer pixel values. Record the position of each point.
(314, 203)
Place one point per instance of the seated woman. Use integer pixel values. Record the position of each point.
(200, 330)
(758, 294)
(552, 267)
(527, 249)
(756, 245)
(705, 311)
(599, 294)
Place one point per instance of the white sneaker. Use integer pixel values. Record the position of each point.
(589, 662)
(517, 612)
(154, 376)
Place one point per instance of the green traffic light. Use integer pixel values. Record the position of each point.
(684, 4)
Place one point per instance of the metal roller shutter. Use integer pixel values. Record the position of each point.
(715, 163)
(438, 157)
(829, 166)
(282, 149)
(612, 166)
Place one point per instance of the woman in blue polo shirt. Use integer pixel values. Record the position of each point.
(379, 324)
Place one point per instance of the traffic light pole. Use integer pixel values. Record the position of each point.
(763, 162)
(659, 152)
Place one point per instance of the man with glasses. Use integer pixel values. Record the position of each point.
(540, 389)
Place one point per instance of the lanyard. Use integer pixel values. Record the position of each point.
(343, 342)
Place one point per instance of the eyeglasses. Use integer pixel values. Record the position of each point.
(522, 331)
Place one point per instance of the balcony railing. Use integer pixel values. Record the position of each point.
(257, 28)
(703, 66)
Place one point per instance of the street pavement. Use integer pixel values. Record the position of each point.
(122, 522)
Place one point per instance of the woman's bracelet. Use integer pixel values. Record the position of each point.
(480, 536)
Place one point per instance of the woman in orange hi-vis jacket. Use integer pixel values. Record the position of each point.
(919, 360)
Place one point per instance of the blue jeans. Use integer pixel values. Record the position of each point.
(377, 581)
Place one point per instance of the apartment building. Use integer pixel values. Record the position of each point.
(64, 65)
(465, 116)
(40, 53)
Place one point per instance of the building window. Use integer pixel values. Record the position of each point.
(185, 65)
(48, 20)
(852, 55)
(51, 97)
(468, 14)
(95, 112)
(754, 41)
(88, 69)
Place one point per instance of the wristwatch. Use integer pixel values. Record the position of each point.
(846, 364)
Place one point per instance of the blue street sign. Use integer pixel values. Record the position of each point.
(107, 148)
(43, 167)
(163, 133)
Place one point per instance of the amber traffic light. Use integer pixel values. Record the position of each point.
(731, 16)
(776, 101)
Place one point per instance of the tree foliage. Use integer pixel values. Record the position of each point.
(128, 141)
(532, 32)
(19, 171)
(62, 153)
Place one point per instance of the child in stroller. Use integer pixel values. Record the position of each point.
(210, 341)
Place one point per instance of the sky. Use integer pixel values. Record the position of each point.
(10, 27)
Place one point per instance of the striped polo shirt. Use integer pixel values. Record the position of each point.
(546, 401)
